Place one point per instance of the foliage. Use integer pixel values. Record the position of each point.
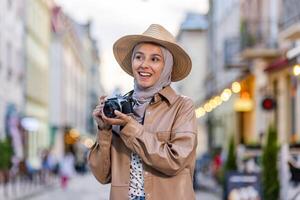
(270, 181)
(230, 164)
(6, 153)
(247, 39)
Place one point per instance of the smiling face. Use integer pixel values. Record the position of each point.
(147, 64)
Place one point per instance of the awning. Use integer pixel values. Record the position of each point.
(278, 64)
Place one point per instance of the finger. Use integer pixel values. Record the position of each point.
(104, 117)
(114, 121)
(122, 116)
(102, 99)
(98, 109)
(97, 113)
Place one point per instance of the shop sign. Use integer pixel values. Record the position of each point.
(243, 186)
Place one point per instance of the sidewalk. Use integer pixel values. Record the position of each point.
(82, 187)
(21, 189)
(207, 187)
(207, 195)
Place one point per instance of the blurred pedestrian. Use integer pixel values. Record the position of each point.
(45, 165)
(150, 154)
(66, 169)
(217, 164)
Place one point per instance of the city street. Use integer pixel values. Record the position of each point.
(86, 187)
(205, 86)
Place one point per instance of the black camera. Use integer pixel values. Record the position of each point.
(123, 104)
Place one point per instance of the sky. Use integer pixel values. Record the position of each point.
(112, 19)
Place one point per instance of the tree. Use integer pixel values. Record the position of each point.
(230, 164)
(270, 181)
(6, 153)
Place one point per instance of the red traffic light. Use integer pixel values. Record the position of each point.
(268, 103)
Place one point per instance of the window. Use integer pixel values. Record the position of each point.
(0, 55)
(9, 61)
(20, 65)
(9, 73)
(9, 4)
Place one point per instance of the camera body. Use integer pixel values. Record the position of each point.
(123, 104)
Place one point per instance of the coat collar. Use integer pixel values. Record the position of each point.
(167, 93)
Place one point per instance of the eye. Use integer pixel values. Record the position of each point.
(155, 59)
(138, 57)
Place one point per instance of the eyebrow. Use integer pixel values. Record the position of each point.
(139, 52)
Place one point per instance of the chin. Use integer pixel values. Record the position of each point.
(144, 86)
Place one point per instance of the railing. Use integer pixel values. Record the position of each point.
(257, 33)
(290, 13)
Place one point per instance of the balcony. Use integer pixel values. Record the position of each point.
(290, 21)
(256, 41)
(253, 42)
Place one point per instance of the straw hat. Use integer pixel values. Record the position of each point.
(123, 48)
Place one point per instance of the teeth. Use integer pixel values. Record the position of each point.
(144, 74)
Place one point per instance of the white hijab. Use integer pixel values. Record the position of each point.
(143, 96)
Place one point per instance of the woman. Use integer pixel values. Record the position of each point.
(150, 154)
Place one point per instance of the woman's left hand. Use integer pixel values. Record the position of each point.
(121, 119)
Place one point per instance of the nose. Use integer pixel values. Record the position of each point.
(145, 64)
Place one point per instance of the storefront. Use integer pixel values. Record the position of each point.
(244, 108)
(293, 56)
(283, 85)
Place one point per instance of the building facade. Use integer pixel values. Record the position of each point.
(285, 74)
(224, 67)
(37, 43)
(12, 71)
(192, 36)
(74, 81)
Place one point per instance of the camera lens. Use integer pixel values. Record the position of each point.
(126, 107)
(110, 107)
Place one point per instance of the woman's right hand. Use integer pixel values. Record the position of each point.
(98, 115)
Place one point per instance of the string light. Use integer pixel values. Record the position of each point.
(207, 107)
(236, 87)
(226, 94)
(200, 112)
(296, 70)
(216, 101)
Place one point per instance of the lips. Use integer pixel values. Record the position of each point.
(144, 74)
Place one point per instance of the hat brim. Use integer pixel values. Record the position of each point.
(124, 46)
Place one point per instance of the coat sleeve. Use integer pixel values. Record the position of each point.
(99, 157)
(168, 157)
